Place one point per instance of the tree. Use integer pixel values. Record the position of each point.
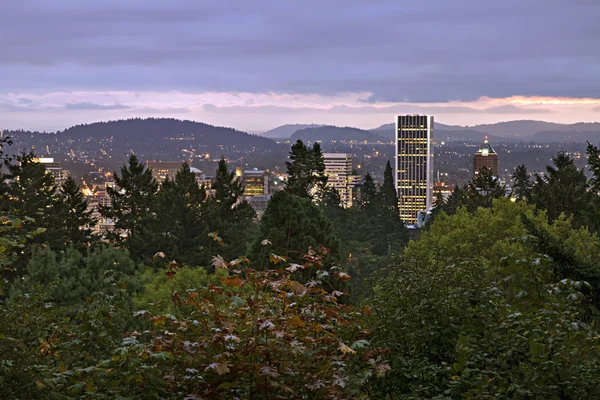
(480, 192)
(292, 224)
(229, 215)
(74, 221)
(563, 189)
(306, 171)
(370, 192)
(132, 202)
(227, 186)
(522, 185)
(29, 201)
(594, 164)
(473, 310)
(31, 192)
(70, 277)
(389, 196)
(179, 228)
(483, 189)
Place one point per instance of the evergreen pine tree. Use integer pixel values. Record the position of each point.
(563, 189)
(457, 199)
(292, 224)
(594, 164)
(306, 171)
(522, 185)
(31, 192)
(389, 196)
(369, 192)
(74, 221)
(132, 200)
(228, 214)
(179, 229)
(483, 189)
(27, 198)
(227, 186)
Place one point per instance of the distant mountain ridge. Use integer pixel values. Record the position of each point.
(523, 130)
(575, 136)
(330, 133)
(286, 131)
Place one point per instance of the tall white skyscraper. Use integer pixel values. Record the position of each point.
(414, 165)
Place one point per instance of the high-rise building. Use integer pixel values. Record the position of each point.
(338, 169)
(162, 169)
(60, 175)
(486, 157)
(414, 165)
(256, 182)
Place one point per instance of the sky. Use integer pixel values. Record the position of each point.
(254, 65)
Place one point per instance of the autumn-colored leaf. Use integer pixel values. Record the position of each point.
(296, 322)
(238, 261)
(232, 337)
(275, 259)
(156, 347)
(221, 368)
(344, 276)
(158, 320)
(346, 349)
(232, 281)
(175, 298)
(215, 236)
(293, 267)
(215, 289)
(381, 367)
(45, 348)
(297, 288)
(219, 263)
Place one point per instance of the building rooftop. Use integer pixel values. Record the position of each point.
(485, 149)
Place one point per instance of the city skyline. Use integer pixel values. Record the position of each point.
(316, 62)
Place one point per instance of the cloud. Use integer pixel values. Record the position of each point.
(260, 111)
(511, 109)
(397, 51)
(166, 110)
(93, 106)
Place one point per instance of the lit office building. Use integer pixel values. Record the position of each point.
(486, 157)
(414, 165)
(256, 182)
(338, 169)
(162, 169)
(60, 175)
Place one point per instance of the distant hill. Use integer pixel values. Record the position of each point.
(509, 131)
(152, 138)
(286, 131)
(573, 136)
(155, 131)
(331, 133)
(388, 130)
(527, 129)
